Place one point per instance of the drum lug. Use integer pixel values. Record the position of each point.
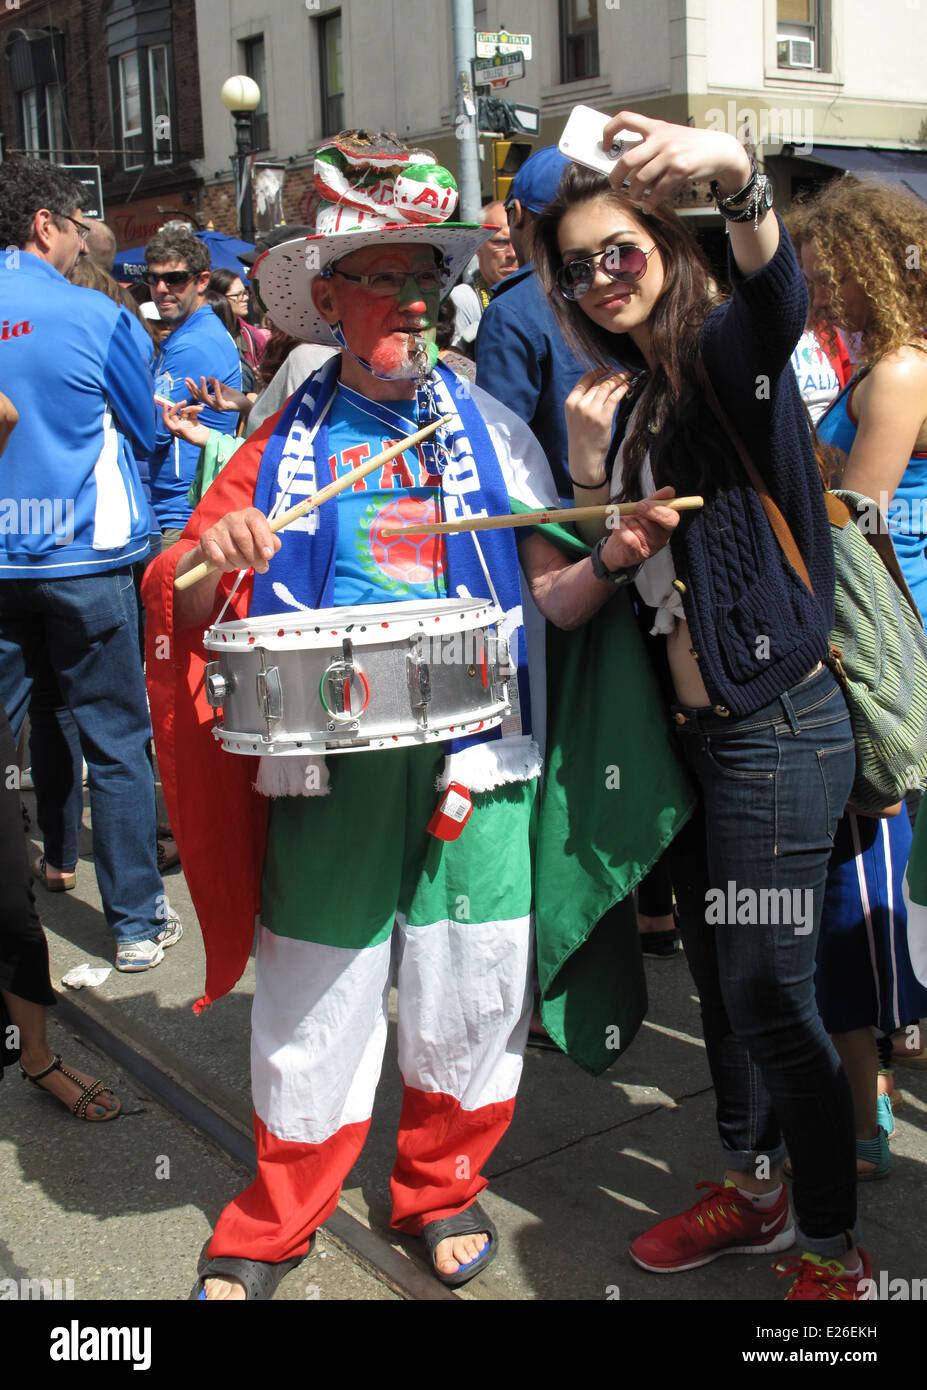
(270, 695)
(419, 677)
(217, 687)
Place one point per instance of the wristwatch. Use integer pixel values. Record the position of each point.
(601, 571)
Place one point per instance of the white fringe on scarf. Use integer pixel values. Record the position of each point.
(481, 768)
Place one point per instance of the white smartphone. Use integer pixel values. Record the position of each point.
(581, 140)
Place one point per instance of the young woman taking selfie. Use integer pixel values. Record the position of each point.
(761, 721)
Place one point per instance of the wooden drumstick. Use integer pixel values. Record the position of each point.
(186, 581)
(495, 523)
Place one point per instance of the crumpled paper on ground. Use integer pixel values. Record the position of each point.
(85, 975)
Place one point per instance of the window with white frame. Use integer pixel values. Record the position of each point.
(803, 35)
(159, 90)
(142, 106)
(255, 67)
(332, 74)
(130, 108)
(35, 74)
(32, 137)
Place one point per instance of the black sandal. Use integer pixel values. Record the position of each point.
(88, 1094)
(260, 1277)
(472, 1221)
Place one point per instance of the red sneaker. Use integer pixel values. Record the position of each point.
(721, 1223)
(821, 1278)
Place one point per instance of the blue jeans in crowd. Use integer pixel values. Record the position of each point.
(749, 873)
(82, 633)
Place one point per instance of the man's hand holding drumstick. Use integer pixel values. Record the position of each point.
(240, 540)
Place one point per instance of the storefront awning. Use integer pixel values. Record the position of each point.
(905, 167)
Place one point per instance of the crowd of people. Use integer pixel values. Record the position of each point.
(591, 358)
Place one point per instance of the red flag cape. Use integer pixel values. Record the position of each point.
(219, 821)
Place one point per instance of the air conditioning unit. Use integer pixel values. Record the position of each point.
(795, 53)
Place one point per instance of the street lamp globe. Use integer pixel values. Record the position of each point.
(241, 94)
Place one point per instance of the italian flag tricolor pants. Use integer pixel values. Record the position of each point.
(356, 892)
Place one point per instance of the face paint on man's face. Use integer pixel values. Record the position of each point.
(387, 334)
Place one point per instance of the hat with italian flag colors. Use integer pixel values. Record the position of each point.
(373, 191)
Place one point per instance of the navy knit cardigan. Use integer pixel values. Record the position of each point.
(755, 627)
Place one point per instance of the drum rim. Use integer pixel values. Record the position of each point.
(309, 622)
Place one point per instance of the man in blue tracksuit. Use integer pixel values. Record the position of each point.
(198, 345)
(73, 521)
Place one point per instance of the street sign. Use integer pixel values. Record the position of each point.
(487, 43)
(89, 176)
(495, 71)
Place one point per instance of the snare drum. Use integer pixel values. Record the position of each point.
(344, 680)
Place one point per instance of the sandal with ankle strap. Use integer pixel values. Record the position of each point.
(88, 1094)
(53, 885)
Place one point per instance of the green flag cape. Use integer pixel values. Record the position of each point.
(614, 795)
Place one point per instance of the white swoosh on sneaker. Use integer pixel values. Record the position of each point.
(767, 1226)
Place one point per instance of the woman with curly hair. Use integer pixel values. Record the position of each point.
(762, 723)
(860, 248)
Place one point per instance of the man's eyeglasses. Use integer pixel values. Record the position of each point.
(169, 277)
(387, 283)
(83, 231)
(623, 263)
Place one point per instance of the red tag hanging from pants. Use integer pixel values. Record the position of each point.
(452, 814)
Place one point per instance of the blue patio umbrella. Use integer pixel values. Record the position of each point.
(129, 266)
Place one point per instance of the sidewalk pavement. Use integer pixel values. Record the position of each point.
(586, 1165)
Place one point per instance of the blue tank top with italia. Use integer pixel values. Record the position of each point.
(370, 566)
(907, 511)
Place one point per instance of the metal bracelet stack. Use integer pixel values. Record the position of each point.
(753, 199)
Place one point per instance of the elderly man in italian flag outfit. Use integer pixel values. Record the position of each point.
(333, 859)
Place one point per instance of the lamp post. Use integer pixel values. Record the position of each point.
(241, 96)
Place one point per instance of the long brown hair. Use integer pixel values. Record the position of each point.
(671, 407)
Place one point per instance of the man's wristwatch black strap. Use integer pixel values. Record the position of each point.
(601, 570)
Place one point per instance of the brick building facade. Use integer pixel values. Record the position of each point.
(113, 83)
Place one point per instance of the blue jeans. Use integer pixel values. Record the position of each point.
(749, 874)
(82, 633)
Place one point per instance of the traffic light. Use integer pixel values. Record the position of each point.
(507, 158)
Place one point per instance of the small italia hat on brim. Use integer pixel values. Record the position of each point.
(375, 191)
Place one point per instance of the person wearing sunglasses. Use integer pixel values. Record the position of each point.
(250, 340)
(196, 346)
(761, 721)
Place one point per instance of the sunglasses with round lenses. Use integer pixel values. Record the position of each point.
(170, 277)
(623, 263)
(387, 283)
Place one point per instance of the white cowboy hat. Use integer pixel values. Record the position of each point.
(285, 273)
(388, 196)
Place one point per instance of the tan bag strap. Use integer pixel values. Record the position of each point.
(776, 520)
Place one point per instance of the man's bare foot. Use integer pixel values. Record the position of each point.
(455, 1251)
(62, 1087)
(223, 1288)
